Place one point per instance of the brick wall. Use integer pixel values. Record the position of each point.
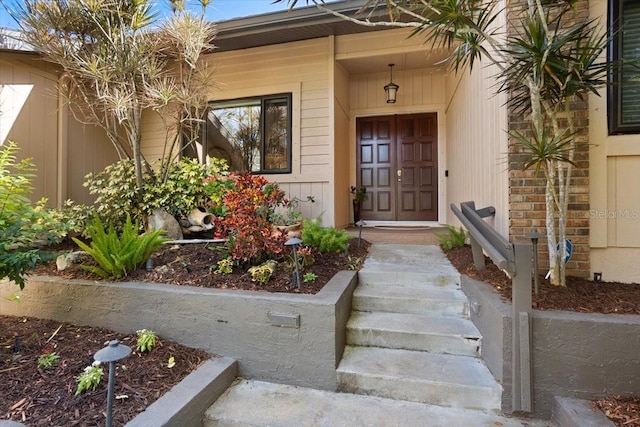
(527, 189)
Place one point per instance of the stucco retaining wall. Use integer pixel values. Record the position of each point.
(184, 405)
(243, 325)
(576, 355)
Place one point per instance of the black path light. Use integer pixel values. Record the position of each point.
(111, 354)
(294, 241)
(360, 224)
(534, 236)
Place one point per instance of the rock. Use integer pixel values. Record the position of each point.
(65, 260)
(162, 220)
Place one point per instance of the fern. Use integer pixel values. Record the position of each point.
(117, 255)
(324, 239)
(452, 238)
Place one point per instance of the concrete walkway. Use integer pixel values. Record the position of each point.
(412, 356)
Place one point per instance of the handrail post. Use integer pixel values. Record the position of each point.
(521, 330)
(478, 255)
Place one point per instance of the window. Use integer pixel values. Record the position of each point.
(250, 133)
(624, 90)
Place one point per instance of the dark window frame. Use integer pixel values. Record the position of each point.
(264, 99)
(615, 88)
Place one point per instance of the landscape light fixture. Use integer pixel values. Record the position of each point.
(360, 224)
(534, 236)
(294, 241)
(391, 89)
(112, 353)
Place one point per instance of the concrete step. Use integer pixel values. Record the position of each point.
(408, 278)
(569, 412)
(435, 334)
(423, 259)
(431, 300)
(261, 404)
(417, 376)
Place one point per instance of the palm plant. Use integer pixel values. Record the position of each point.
(547, 58)
(117, 61)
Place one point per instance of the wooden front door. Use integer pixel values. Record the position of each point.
(397, 161)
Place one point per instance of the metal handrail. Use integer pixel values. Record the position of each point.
(515, 260)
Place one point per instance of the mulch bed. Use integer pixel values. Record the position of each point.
(40, 397)
(194, 264)
(580, 295)
(46, 397)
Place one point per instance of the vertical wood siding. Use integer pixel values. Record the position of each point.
(87, 150)
(35, 129)
(62, 149)
(623, 203)
(614, 175)
(477, 145)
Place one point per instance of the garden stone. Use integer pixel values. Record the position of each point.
(65, 260)
(162, 220)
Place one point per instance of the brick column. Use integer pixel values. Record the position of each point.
(527, 190)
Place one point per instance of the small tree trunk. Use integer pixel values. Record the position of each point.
(550, 202)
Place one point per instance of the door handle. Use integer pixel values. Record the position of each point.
(399, 173)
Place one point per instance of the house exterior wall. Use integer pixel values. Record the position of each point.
(36, 125)
(343, 149)
(614, 215)
(62, 149)
(477, 145)
(304, 69)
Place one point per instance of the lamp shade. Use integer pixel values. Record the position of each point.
(391, 90)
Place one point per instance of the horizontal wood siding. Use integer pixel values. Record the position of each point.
(301, 68)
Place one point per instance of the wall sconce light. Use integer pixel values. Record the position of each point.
(391, 89)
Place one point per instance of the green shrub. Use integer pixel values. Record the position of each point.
(183, 186)
(452, 238)
(118, 254)
(263, 272)
(324, 239)
(146, 340)
(186, 186)
(48, 360)
(89, 378)
(24, 228)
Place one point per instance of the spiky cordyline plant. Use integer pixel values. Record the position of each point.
(546, 59)
(117, 59)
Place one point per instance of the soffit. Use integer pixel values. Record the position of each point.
(311, 22)
(289, 26)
